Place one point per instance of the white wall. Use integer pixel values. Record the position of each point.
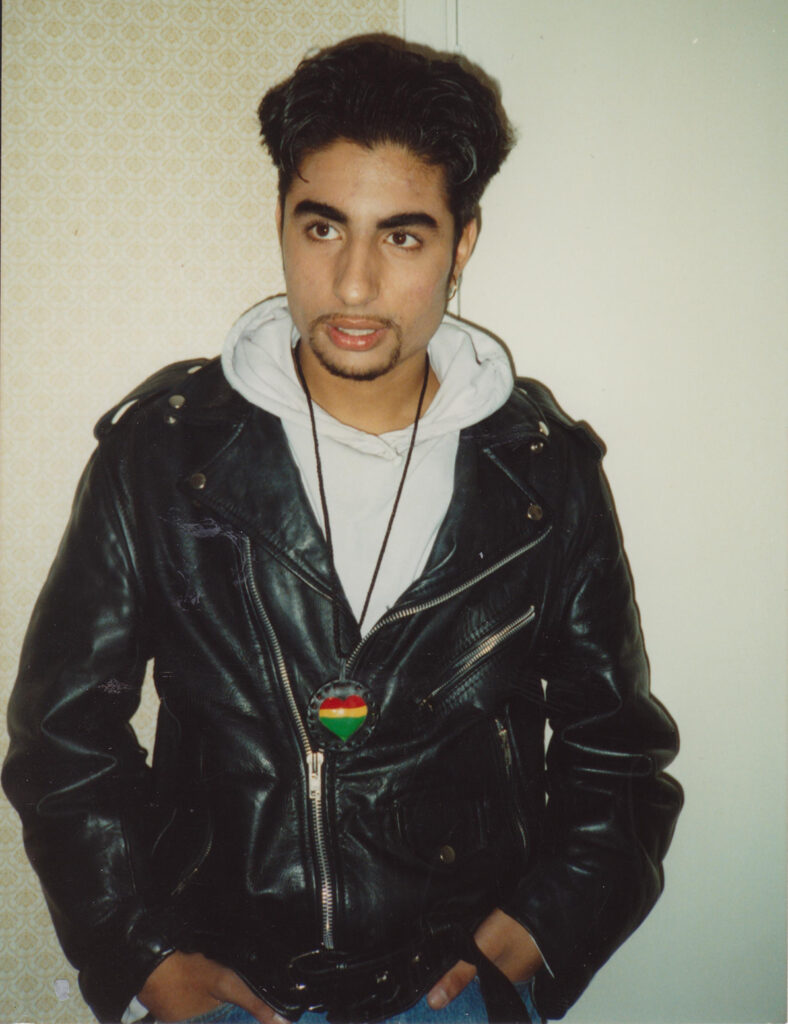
(633, 256)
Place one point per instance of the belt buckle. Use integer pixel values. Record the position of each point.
(322, 975)
(314, 972)
(297, 983)
(324, 959)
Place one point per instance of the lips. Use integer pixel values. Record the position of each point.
(355, 334)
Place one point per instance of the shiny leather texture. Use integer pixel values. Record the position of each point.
(256, 837)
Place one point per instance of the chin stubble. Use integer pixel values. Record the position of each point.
(336, 369)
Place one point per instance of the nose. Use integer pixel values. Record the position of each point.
(357, 274)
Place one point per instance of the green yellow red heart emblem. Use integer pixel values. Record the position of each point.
(343, 715)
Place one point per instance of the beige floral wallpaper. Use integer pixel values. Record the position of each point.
(137, 224)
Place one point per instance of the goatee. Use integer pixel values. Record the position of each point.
(336, 369)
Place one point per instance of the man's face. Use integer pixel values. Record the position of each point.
(368, 248)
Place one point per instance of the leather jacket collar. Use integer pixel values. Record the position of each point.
(492, 499)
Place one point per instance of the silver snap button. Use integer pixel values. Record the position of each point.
(198, 481)
(536, 446)
(171, 419)
(535, 512)
(447, 855)
(380, 978)
(177, 401)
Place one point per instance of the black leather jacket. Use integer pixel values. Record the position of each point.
(256, 835)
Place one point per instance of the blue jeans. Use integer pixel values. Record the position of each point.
(467, 1008)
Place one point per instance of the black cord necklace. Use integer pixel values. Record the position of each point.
(324, 505)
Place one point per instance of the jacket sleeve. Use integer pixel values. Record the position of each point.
(610, 808)
(74, 770)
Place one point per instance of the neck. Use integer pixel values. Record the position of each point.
(375, 406)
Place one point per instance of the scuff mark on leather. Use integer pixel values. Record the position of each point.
(115, 686)
(191, 597)
(207, 528)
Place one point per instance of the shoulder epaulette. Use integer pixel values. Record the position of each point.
(159, 382)
(544, 401)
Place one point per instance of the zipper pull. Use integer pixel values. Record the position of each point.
(503, 735)
(314, 764)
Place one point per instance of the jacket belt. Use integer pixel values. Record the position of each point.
(351, 988)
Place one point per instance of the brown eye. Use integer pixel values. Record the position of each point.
(403, 240)
(322, 230)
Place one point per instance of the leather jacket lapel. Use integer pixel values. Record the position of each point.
(254, 483)
(490, 516)
(491, 513)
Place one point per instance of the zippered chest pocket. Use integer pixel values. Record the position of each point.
(460, 675)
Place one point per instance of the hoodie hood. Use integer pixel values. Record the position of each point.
(472, 368)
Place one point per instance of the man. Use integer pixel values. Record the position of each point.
(368, 568)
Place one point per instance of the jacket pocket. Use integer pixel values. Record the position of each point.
(185, 839)
(504, 743)
(443, 827)
(452, 685)
(181, 849)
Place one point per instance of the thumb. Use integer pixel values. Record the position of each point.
(450, 985)
(232, 989)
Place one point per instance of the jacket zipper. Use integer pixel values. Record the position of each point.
(313, 762)
(189, 876)
(414, 609)
(505, 743)
(481, 651)
(314, 759)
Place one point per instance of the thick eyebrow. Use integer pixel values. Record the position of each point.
(400, 220)
(309, 206)
(407, 220)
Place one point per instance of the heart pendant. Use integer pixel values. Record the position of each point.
(343, 715)
(337, 712)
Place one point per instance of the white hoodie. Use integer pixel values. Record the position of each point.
(361, 472)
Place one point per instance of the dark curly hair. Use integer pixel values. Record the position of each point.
(378, 89)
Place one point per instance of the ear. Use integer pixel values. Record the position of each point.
(465, 246)
(279, 213)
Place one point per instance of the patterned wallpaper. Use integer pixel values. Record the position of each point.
(137, 224)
